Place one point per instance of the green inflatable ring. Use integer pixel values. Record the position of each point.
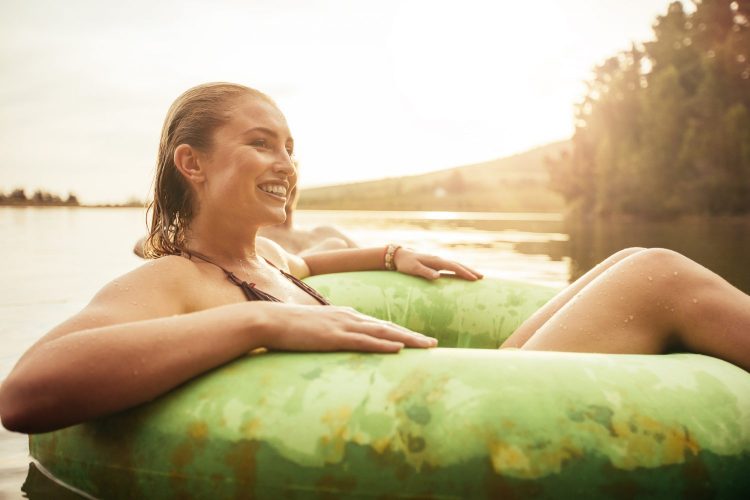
(439, 423)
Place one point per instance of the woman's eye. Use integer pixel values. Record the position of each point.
(260, 143)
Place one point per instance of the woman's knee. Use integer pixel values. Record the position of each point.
(670, 270)
(627, 252)
(621, 255)
(664, 260)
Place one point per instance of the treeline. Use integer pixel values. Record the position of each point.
(39, 197)
(664, 128)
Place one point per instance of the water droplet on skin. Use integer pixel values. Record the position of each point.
(672, 309)
(135, 372)
(650, 278)
(626, 320)
(695, 301)
(676, 273)
(631, 316)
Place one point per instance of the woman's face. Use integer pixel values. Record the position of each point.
(249, 170)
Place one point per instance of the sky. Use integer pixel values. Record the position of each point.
(370, 88)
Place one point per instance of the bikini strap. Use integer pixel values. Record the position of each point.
(307, 288)
(304, 286)
(193, 253)
(253, 293)
(248, 289)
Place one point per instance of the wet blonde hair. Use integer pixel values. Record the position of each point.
(192, 119)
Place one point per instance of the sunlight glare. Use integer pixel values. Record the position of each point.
(480, 51)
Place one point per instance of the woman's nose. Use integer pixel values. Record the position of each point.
(284, 164)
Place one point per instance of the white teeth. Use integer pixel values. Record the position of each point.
(276, 189)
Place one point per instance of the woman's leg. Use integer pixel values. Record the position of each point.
(533, 323)
(652, 302)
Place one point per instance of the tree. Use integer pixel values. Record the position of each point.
(663, 128)
(18, 194)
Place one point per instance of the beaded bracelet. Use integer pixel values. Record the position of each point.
(390, 255)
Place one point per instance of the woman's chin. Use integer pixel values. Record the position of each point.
(274, 218)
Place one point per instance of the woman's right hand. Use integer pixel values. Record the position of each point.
(293, 327)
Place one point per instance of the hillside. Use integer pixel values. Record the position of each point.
(518, 183)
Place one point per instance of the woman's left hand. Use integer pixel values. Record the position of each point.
(429, 266)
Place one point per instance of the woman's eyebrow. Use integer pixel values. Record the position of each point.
(260, 129)
(266, 131)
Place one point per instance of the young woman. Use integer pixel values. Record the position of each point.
(214, 291)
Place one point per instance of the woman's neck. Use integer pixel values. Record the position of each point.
(222, 239)
(288, 223)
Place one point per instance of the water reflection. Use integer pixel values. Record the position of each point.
(556, 250)
(722, 245)
(525, 245)
(39, 486)
(489, 242)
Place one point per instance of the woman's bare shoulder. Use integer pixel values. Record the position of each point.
(167, 271)
(173, 265)
(153, 290)
(273, 252)
(164, 284)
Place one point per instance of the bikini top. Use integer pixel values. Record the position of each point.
(253, 293)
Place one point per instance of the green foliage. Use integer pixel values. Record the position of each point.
(664, 128)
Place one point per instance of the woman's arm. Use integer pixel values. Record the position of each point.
(369, 259)
(91, 372)
(120, 352)
(361, 259)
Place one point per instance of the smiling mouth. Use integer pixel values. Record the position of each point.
(275, 190)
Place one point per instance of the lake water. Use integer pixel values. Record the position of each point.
(55, 259)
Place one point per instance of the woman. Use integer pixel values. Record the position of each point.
(224, 170)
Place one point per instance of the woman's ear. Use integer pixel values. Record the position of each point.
(187, 163)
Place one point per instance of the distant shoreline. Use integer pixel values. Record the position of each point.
(71, 205)
(462, 214)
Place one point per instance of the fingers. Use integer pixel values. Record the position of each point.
(361, 323)
(460, 270)
(394, 333)
(385, 336)
(476, 274)
(429, 266)
(325, 329)
(425, 272)
(465, 272)
(352, 341)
